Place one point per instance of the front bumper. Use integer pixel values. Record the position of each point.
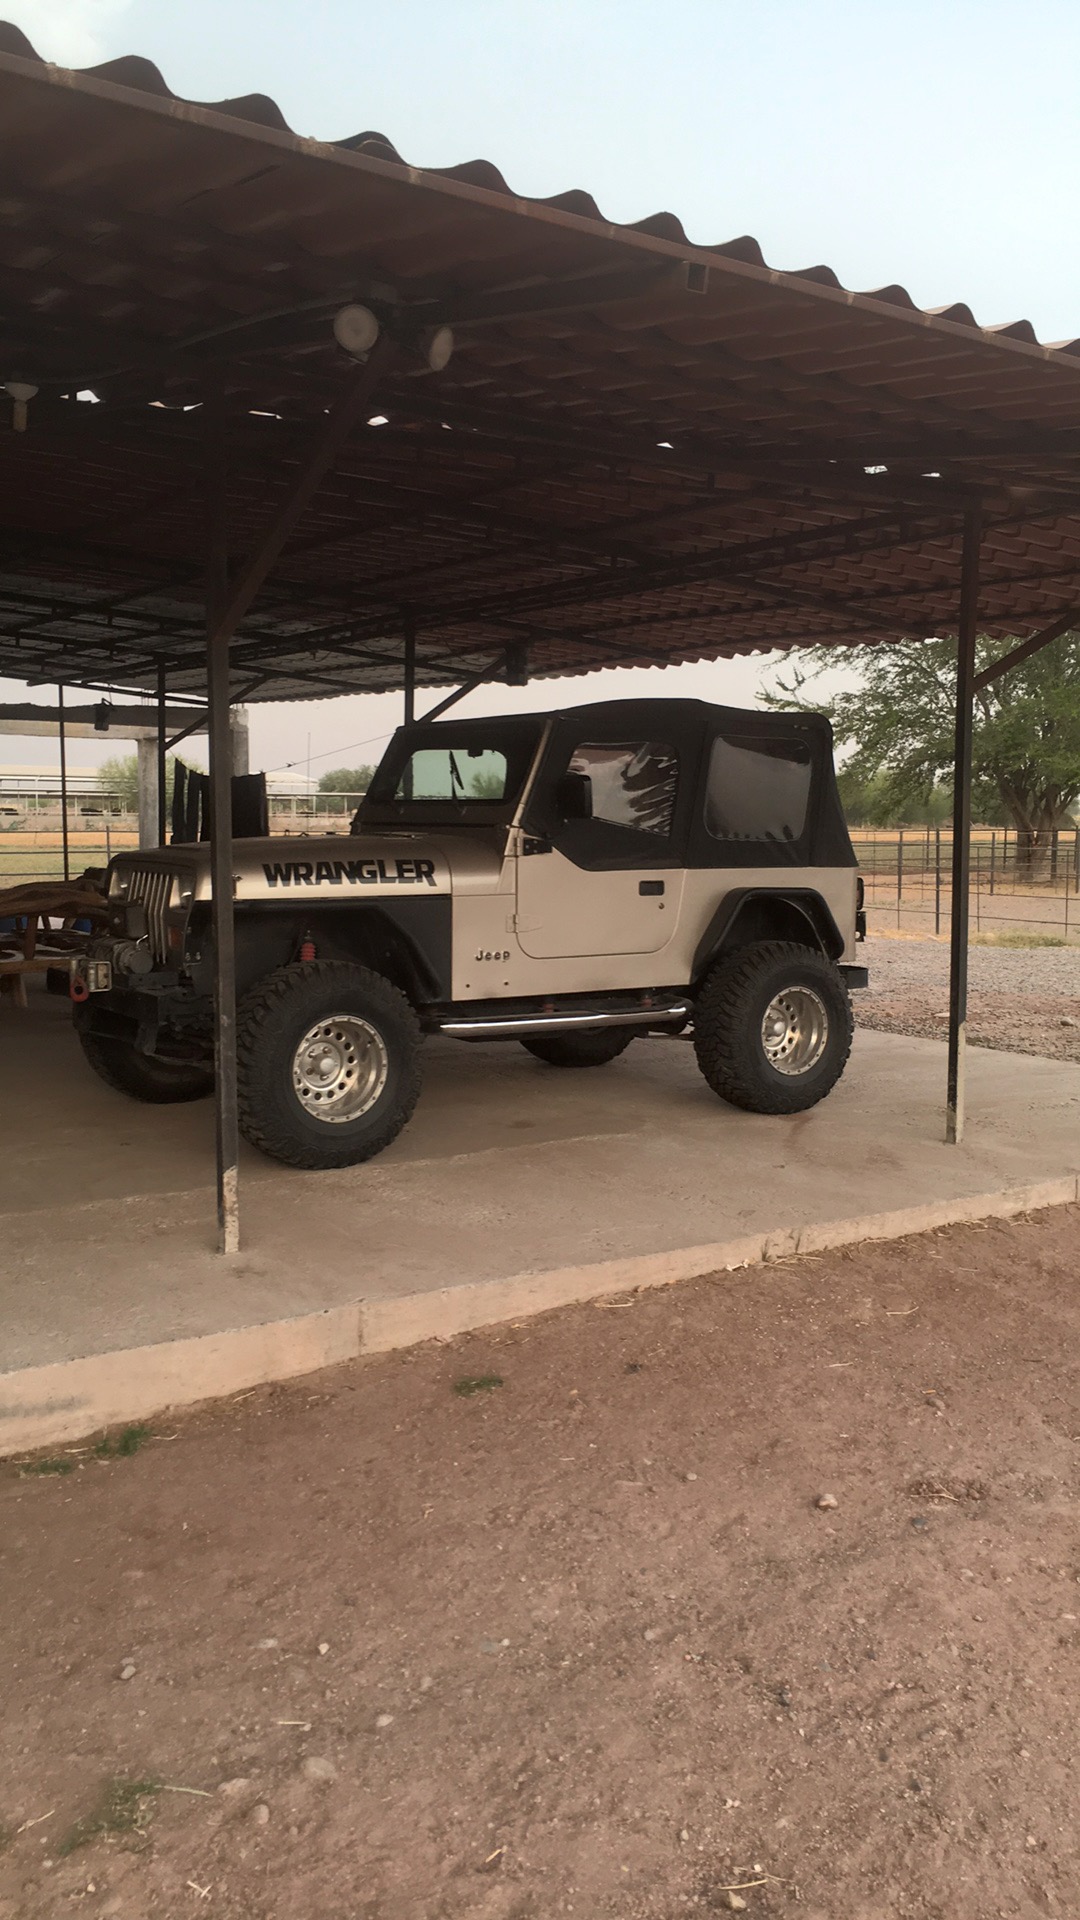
(156, 1016)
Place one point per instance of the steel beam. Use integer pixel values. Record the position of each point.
(63, 781)
(467, 686)
(221, 859)
(961, 860)
(162, 728)
(343, 417)
(1024, 651)
(410, 671)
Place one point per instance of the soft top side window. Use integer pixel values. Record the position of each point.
(758, 788)
(634, 782)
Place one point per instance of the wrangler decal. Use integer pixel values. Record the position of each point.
(352, 873)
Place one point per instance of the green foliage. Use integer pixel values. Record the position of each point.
(899, 722)
(347, 780)
(120, 1809)
(488, 786)
(127, 1442)
(477, 1383)
(120, 776)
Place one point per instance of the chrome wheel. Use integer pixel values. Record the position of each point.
(340, 1068)
(795, 1030)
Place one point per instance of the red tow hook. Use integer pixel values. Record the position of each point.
(78, 989)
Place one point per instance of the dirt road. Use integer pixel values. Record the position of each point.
(550, 1621)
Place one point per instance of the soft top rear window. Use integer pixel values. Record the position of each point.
(758, 788)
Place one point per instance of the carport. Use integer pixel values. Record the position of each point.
(360, 426)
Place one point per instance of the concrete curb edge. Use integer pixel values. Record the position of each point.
(40, 1406)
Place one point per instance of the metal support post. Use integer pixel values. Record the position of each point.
(961, 860)
(221, 861)
(937, 879)
(410, 671)
(147, 761)
(63, 783)
(162, 691)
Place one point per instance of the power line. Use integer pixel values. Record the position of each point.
(350, 747)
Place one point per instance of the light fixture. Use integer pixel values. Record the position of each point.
(356, 329)
(102, 716)
(438, 345)
(21, 392)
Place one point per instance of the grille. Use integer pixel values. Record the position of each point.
(152, 887)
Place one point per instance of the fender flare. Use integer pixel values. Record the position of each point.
(813, 911)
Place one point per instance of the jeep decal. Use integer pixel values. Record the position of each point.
(352, 873)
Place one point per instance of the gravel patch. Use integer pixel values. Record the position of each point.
(1020, 999)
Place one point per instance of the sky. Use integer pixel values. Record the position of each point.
(934, 145)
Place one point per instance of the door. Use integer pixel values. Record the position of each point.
(607, 884)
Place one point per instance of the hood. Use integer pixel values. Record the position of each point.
(337, 867)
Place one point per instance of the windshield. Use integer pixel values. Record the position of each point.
(473, 770)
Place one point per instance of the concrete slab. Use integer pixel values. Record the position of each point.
(515, 1188)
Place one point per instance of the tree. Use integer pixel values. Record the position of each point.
(120, 777)
(899, 721)
(347, 780)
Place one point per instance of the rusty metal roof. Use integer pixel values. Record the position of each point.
(642, 451)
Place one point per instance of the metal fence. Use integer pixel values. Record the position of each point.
(907, 874)
(32, 842)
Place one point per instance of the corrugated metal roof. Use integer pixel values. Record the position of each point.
(642, 450)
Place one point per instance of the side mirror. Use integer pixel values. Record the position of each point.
(573, 797)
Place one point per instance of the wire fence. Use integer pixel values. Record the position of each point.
(32, 838)
(907, 875)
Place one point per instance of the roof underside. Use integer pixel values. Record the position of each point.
(643, 451)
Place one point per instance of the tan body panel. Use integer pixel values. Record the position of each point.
(490, 960)
(564, 910)
(492, 929)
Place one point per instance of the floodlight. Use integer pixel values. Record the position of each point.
(438, 345)
(356, 329)
(21, 392)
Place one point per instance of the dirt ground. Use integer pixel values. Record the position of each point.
(548, 1620)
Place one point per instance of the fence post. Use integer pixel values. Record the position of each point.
(899, 875)
(993, 861)
(978, 887)
(1053, 856)
(1076, 858)
(937, 879)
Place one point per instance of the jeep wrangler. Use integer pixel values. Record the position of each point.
(569, 880)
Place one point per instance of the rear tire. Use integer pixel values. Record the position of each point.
(773, 1027)
(587, 1049)
(328, 1058)
(141, 1076)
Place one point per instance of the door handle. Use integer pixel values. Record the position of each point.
(650, 886)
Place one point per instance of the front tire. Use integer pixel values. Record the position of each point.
(586, 1049)
(328, 1058)
(773, 1027)
(142, 1076)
